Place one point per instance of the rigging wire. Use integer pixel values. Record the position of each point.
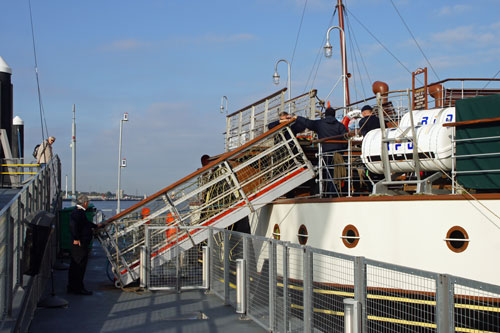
(381, 44)
(415, 40)
(298, 33)
(317, 61)
(40, 104)
(354, 47)
(494, 77)
(360, 53)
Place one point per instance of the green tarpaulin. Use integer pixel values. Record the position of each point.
(483, 172)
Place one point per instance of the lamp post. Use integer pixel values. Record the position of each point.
(276, 78)
(223, 104)
(328, 54)
(121, 164)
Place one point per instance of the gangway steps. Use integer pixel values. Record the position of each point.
(218, 195)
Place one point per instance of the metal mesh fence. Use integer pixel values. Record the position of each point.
(183, 270)
(333, 282)
(235, 244)
(216, 248)
(295, 281)
(399, 299)
(476, 306)
(258, 281)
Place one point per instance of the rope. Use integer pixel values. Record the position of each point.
(494, 77)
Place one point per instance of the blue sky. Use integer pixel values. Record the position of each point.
(167, 63)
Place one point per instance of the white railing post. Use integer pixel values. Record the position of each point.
(144, 267)
(351, 316)
(206, 267)
(241, 286)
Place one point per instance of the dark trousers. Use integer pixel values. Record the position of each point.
(79, 258)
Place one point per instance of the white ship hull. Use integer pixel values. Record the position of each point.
(403, 230)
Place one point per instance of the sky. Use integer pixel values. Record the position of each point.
(168, 63)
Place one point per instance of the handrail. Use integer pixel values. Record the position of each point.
(222, 157)
(472, 122)
(258, 102)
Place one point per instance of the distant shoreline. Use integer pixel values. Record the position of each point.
(109, 199)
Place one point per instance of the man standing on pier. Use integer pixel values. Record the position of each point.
(81, 230)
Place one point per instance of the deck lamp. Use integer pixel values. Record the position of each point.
(328, 54)
(328, 49)
(276, 78)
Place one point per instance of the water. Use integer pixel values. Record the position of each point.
(108, 207)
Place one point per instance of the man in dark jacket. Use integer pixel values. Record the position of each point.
(369, 120)
(284, 116)
(325, 128)
(81, 230)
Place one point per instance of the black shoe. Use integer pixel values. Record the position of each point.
(70, 290)
(85, 292)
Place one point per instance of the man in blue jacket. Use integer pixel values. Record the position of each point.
(81, 230)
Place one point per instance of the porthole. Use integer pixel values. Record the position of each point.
(276, 232)
(302, 235)
(350, 236)
(457, 239)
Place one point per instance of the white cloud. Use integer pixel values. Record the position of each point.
(125, 45)
(220, 39)
(453, 10)
(464, 34)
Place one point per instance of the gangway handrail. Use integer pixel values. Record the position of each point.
(279, 92)
(222, 157)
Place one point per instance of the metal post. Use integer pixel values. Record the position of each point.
(351, 316)
(272, 285)
(444, 313)
(240, 286)
(252, 123)
(143, 267)
(226, 267)
(286, 253)
(206, 267)
(385, 152)
(308, 289)
(118, 194)
(228, 132)
(360, 289)
(73, 158)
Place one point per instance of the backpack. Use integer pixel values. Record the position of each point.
(35, 151)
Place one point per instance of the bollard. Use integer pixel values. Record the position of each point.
(206, 267)
(240, 286)
(143, 267)
(351, 316)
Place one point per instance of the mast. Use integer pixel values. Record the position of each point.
(340, 7)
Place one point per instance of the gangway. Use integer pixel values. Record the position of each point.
(219, 194)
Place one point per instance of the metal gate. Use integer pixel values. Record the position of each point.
(184, 270)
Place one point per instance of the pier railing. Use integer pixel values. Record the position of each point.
(288, 287)
(41, 193)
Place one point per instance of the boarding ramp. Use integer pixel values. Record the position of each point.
(221, 193)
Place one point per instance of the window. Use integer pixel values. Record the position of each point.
(303, 235)
(457, 239)
(350, 236)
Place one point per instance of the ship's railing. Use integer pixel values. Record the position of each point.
(222, 192)
(41, 193)
(288, 287)
(447, 92)
(251, 121)
(14, 172)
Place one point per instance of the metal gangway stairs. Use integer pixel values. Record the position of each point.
(219, 194)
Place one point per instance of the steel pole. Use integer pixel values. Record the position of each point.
(118, 195)
(73, 158)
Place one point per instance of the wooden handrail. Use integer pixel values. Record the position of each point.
(222, 157)
(472, 122)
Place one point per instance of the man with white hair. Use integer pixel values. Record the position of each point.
(44, 152)
(81, 230)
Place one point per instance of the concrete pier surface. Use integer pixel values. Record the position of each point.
(134, 310)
